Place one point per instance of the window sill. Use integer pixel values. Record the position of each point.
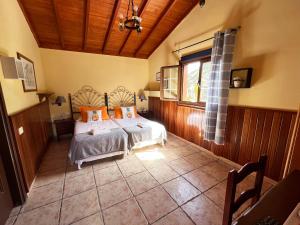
(196, 105)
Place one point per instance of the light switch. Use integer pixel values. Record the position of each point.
(21, 130)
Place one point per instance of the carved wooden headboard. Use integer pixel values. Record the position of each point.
(121, 97)
(86, 96)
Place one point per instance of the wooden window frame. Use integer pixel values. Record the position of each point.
(162, 97)
(197, 104)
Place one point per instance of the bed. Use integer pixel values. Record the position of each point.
(110, 140)
(141, 131)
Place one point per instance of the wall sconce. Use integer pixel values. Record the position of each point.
(59, 100)
(142, 95)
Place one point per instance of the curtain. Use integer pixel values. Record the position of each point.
(218, 87)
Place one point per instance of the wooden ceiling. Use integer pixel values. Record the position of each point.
(92, 25)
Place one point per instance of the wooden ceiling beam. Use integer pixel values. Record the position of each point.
(162, 16)
(174, 26)
(86, 24)
(143, 6)
(111, 23)
(29, 22)
(58, 24)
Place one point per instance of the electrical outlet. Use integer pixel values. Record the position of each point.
(21, 130)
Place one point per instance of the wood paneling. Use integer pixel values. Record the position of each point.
(250, 132)
(32, 144)
(92, 25)
(294, 150)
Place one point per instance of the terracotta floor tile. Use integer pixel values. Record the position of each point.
(203, 211)
(217, 169)
(163, 173)
(49, 177)
(113, 193)
(51, 165)
(107, 175)
(170, 156)
(141, 182)
(10, 220)
(73, 171)
(124, 213)
(200, 179)
(79, 206)
(131, 167)
(15, 211)
(129, 157)
(182, 151)
(102, 164)
(95, 219)
(199, 159)
(46, 215)
(181, 190)
(43, 195)
(181, 166)
(78, 184)
(177, 217)
(156, 203)
(217, 194)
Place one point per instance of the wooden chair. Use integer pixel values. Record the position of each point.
(234, 178)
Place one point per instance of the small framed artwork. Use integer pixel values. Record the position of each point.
(241, 78)
(29, 83)
(157, 76)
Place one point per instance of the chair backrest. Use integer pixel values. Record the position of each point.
(234, 178)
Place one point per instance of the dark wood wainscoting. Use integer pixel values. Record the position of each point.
(32, 144)
(250, 132)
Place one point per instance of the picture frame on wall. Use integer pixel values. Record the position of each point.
(29, 82)
(157, 76)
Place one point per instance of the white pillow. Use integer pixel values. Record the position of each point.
(128, 112)
(94, 116)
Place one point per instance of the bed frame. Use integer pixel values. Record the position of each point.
(87, 96)
(121, 97)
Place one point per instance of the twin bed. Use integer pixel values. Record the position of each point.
(107, 138)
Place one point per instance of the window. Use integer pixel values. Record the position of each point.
(195, 71)
(169, 82)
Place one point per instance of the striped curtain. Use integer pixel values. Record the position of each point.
(218, 87)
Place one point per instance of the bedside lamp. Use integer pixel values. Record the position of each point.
(59, 100)
(142, 95)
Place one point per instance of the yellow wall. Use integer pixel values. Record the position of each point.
(15, 37)
(66, 72)
(268, 41)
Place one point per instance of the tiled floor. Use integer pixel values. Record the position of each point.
(178, 184)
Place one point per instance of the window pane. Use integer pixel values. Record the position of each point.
(190, 88)
(206, 69)
(170, 84)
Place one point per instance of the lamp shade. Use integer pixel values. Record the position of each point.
(142, 95)
(59, 100)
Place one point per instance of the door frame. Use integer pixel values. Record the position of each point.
(10, 157)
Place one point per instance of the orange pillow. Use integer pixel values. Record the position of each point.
(118, 112)
(83, 113)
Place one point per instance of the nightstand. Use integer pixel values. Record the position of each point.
(64, 126)
(145, 114)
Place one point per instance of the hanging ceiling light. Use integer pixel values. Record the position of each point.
(133, 22)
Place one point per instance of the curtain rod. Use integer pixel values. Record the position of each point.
(199, 42)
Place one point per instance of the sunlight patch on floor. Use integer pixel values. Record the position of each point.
(150, 155)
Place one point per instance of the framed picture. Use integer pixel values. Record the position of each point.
(29, 83)
(241, 78)
(157, 76)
